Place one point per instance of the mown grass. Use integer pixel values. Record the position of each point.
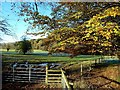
(42, 56)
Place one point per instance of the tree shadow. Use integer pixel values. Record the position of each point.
(38, 54)
(106, 63)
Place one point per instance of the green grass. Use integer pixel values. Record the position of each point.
(41, 56)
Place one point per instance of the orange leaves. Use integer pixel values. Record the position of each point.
(76, 15)
(93, 35)
(106, 43)
(113, 11)
(104, 29)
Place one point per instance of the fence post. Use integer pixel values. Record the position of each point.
(62, 80)
(90, 66)
(13, 74)
(29, 72)
(81, 70)
(46, 74)
(65, 82)
(99, 61)
(95, 62)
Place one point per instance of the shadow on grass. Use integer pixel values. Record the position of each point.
(106, 63)
(38, 54)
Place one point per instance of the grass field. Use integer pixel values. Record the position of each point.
(42, 56)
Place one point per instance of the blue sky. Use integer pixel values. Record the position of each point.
(17, 27)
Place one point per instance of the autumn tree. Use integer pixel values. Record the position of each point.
(77, 27)
(92, 31)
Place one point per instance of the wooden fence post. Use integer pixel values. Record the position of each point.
(90, 66)
(62, 80)
(46, 74)
(95, 62)
(65, 82)
(81, 69)
(29, 72)
(99, 60)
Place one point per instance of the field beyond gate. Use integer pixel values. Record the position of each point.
(25, 73)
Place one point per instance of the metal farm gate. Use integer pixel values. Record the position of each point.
(33, 73)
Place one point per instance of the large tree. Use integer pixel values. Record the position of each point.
(90, 30)
(77, 27)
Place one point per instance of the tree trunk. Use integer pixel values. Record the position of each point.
(24, 53)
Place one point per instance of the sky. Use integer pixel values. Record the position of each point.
(17, 27)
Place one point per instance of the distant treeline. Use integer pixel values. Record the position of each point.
(36, 44)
